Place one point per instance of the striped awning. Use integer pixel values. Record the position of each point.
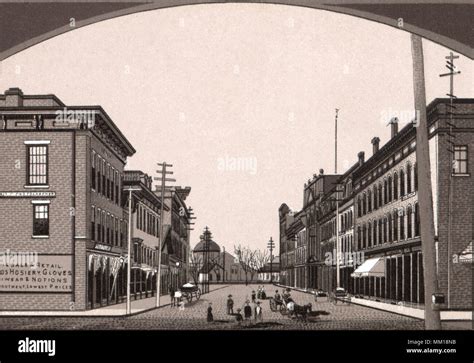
(374, 267)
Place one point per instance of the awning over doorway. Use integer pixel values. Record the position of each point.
(374, 267)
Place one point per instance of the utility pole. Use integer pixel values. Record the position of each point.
(338, 274)
(189, 229)
(163, 179)
(223, 263)
(425, 193)
(129, 247)
(207, 237)
(451, 67)
(271, 246)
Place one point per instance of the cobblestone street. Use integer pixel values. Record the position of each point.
(324, 316)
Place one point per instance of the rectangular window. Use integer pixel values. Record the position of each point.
(460, 159)
(117, 184)
(40, 220)
(93, 173)
(93, 224)
(37, 165)
(112, 183)
(99, 173)
(104, 184)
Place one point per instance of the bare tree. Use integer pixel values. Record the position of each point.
(246, 258)
(261, 259)
(195, 266)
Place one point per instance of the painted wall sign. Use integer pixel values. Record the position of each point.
(27, 194)
(52, 273)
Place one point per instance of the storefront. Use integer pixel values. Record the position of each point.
(393, 278)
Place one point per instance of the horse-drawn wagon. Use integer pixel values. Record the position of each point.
(191, 291)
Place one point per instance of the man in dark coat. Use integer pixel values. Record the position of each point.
(210, 317)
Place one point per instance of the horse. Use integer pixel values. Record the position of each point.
(302, 310)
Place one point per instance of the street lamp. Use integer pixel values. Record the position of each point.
(271, 246)
(129, 249)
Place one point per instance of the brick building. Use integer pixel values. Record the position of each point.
(61, 174)
(176, 237)
(145, 228)
(388, 218)
(379, 218)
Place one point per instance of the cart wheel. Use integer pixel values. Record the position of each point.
(198, 294)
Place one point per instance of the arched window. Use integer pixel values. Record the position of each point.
(409, 222)
(389, 189)
(402, 224)
(380, 231)
(395, 186)
(364, 236)
(374, 232)
(409, 178)
(364, 204)
(402, 183)
(416, 176)
(375, 197)
(380, 194)
(417, 220)
(385, 191)
(395, 225)
(369, 235)
(390, 230)
(385, 230)
(359, 206)
(369, 201)
(359, 238)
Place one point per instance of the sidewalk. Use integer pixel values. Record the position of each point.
(138, 306)
(412, 312)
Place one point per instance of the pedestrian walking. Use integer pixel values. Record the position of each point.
(253, 296)
(177, 297)
(230, 305)
(238, 317)
(210, 317)
(171, 291)
(264, 294)
(247, 311)
(258, 312)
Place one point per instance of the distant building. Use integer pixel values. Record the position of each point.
(219, 266)
(270, 272)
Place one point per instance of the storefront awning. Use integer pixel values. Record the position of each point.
(374, 267)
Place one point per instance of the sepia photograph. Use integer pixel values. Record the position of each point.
(180, 172)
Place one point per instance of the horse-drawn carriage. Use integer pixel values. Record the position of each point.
(190, 291)
(286, 306)
(339, 294)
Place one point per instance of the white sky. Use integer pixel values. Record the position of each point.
(195, 84)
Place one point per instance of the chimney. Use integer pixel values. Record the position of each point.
(375, 145)
(14, 97)
(361, 156)
(394, 126)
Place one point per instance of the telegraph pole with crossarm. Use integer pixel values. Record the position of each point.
(163, 179)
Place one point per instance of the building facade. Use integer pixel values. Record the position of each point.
(61, 176)
(388, 213)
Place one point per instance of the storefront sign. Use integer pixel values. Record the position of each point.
(52, 273)
(27, 194)
(101, 247)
